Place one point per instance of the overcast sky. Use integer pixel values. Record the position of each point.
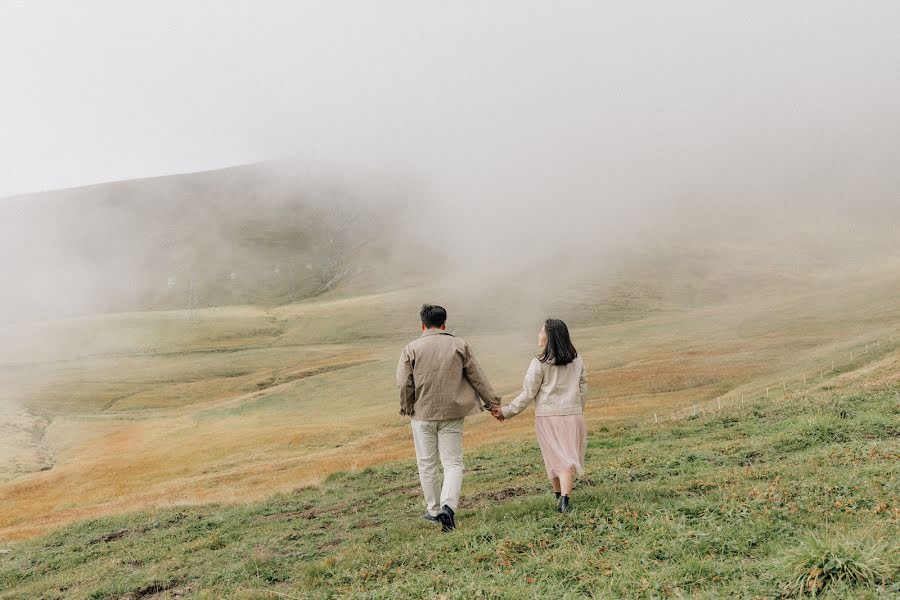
(98, 91)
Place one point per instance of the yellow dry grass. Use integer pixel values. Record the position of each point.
(252, 402)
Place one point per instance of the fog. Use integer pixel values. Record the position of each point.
(508, 146)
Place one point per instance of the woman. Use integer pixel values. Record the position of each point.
(557, 383)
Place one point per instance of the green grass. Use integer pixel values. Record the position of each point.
(778, 500)
(841, 562)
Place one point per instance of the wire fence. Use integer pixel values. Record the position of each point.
(799, 384)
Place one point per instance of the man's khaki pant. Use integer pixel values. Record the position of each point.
(433, 440)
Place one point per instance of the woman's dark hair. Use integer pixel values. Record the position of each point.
(559, 349)
(433, 315)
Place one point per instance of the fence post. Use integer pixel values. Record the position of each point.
(767, 391)
(718, 404)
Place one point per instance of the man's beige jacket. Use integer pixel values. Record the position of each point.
(440, 380)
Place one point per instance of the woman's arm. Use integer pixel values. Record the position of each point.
(582, 385)
(533, 379)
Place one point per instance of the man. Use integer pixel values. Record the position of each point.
(440, 384)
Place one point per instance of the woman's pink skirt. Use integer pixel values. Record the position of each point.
(563, 440)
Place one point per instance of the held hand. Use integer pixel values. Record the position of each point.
(497, 413)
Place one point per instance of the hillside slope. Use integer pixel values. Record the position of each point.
(154, 410)
(265, 234)
(776, 498)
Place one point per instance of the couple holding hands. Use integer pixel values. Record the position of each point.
(440, 384)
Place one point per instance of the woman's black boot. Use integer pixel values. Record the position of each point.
(563, 504)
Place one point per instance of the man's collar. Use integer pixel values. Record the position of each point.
(435, 331)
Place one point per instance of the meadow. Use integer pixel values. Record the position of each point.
(150, 409)
(255, 451)
(781, 497)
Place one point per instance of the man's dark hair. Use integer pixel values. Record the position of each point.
(433, 315)
(559, 350)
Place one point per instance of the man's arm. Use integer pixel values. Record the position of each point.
(473, 373)
(406, 384)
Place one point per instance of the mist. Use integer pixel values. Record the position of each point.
(509, 149)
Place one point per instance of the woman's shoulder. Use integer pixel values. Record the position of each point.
(539, 366)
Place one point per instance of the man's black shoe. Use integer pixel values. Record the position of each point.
(447, 519)
(429, 517)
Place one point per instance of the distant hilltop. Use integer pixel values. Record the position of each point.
(266, 233)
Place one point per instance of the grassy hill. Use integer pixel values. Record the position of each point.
(125, 411)
(776, 498)
(262, 234)
(115, 400)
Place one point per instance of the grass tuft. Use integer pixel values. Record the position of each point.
(822, 563)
